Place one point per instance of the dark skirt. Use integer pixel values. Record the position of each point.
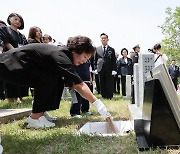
(48, 86)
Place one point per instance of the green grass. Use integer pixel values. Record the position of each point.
(63, 139)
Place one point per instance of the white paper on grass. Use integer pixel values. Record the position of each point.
(101, 128)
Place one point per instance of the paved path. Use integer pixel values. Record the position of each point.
(7, 115)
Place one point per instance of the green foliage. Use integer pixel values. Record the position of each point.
(171, 31)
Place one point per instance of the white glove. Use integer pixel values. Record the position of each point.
(114, 72)
(101, 108)
(119, 76)
(95, 72)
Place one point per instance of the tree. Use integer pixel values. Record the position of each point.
(171, 30)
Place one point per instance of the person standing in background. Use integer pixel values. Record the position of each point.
(2, 95)
(105, 66)
(80, 104)
(125, 67)
(47, 39)
(136, 53)
(116, 78)
(173, 70)
(11, 38)
(159, 57)
(35, 35)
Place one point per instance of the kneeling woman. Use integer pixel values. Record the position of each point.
(46, 68)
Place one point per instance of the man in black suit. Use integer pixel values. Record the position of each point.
(105, 65)
(173, 70)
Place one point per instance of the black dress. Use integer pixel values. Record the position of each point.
(41, 66)
(16, 39)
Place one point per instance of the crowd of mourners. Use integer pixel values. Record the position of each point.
(105, 67)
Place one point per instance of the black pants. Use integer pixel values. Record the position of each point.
(2, 94)
(79, 105)
(97, 83)
(48, 86)
(106, 83)
(123, 83)
(175, 82)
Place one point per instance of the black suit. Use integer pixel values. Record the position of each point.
(135, 58)
(105, 63)
(123, 70)
(174, 73)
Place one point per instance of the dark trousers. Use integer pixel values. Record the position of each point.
(2, 95)
(106, 83)
(97, 83)
(48, 86)
(116, 84)
(175, 81)
(123, 83)
(79, 104)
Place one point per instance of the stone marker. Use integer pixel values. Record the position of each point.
(128, 86)
(160, 123)
(136, 84)
(146, 64)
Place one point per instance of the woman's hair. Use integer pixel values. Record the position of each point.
(16, 15)
(48, 36)
(2, 22)
(122, 51)
(157, 46)
(80, 44)
(32, 32)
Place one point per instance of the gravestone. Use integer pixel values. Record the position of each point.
(160, 123)
(128, 86)
(136, 84)
(146, 64)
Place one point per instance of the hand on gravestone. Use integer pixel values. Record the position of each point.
(101, 108)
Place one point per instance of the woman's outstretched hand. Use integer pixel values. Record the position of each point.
(101, 108)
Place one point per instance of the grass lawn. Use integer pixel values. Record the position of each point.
(62, 139)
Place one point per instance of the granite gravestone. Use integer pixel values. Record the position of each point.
(160, 124)
(128, 87)
(136, 84)
(146, 64)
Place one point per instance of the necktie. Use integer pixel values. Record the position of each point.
(104, 49)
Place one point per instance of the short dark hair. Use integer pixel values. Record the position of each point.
(104, 34)
(2, 22)
(80, 44)
(124, 49)
(17, 15)
(157, 46)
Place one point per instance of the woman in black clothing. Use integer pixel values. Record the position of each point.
(125, 67)
(35, 35)
(12, 38)
(46, 68)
